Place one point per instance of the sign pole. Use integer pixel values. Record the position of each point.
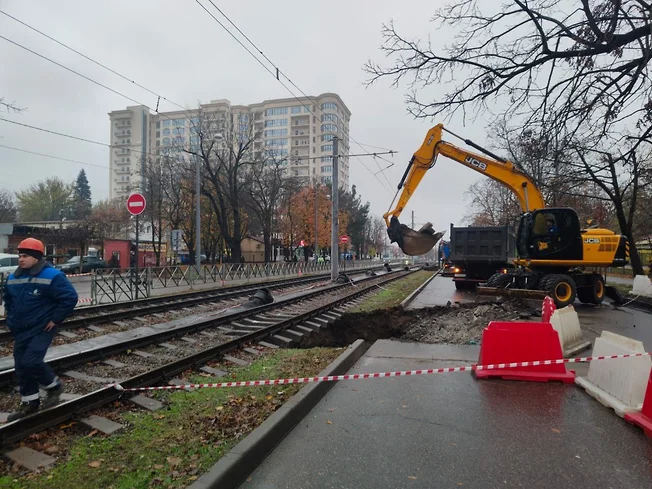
(137, 247)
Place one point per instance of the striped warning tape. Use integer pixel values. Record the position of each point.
(377, 375)
(85, 300)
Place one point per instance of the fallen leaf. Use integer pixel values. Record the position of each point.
(158, 466)
(329, 422)
(173, 461)
(404, 406)
(460, 483)
(411, 477)
(92, 433)
(219, 408)
(95, 464)
(193, 478)
(556, 430)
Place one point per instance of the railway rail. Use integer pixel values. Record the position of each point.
(91, 315)
(266, 324)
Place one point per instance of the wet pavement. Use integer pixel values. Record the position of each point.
(441, 431)
(440, 291)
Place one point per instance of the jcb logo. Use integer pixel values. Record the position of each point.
(592, 240)
(473, 162)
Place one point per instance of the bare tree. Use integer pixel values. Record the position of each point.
(10, 106)
(153, 183)
(267, 183)
(8, 210)
(226, 152)
(581, 67)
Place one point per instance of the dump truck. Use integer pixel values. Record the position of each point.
(479, 252)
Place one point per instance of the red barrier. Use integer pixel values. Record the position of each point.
(509, 342)
(547, 309)
(643, 419)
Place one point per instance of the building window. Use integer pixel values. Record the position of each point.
(326, 137)
(329, 106)
(158, 134)
(158, 125)
(328, 128)
(166, 141)
(179, 122)
(327, 169)
(326, 159)
(325, 179)
(166, 123)
(276, 132)
(276, 122)
(166, 132)
(306, 108)
(277, 111)
(178, 131)
(296, 110)
(326, 147)
(328, 118)
(276, 142)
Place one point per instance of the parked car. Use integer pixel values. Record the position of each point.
(77, 265)
(8, 264)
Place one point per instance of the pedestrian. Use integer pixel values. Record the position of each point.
(38, 298)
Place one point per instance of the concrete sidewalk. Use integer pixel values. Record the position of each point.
(452, 431)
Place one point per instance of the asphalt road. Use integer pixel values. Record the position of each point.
(453, 431)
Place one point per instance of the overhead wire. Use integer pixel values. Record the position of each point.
(277, 73)
(53, 157)
(92, 60)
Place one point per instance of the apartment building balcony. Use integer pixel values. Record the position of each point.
(305, 122)
(300, 132)
(121, 163)
(120, 143)
(122, 170)
(122, 133)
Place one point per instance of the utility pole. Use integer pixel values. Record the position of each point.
(316, 220)
(335, 252)
(197, 217)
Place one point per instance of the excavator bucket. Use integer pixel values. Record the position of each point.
(411, 242)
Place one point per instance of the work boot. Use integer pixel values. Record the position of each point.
(26, 409)
(52, 395)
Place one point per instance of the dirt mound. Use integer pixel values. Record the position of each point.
(463, 323)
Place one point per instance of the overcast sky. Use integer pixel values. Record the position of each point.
(175, 49)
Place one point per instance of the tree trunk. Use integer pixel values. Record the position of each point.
(626, 229)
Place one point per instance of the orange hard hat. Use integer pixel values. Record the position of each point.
(32, 244)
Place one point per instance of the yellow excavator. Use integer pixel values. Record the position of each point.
(555, 254)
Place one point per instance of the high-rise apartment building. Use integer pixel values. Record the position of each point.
(297, 132)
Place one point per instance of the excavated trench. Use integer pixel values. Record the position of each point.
(459, 324)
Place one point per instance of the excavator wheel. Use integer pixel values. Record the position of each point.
(499, 280)
(597, 289)
(561, 288)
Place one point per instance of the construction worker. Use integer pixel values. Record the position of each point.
(38, 298)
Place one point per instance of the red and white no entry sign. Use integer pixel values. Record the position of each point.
(136, 204)
(344, 239)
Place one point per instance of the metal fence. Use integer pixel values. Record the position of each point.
(113, 285)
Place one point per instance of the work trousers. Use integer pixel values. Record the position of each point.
(31, 370)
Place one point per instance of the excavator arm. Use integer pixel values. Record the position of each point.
(503, 171)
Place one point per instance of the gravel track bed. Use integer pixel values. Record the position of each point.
(135, 364)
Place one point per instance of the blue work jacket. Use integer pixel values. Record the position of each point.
(35, 297)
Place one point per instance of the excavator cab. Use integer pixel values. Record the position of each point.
(550, 234)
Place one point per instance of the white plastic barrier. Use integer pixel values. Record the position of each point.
(567, 325)
(619, 384)
(642, 286)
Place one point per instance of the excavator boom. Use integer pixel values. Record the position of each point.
(419, 242)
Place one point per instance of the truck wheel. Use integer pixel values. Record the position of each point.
(597, 289)
(463, 285)
(562, 289)
(499, 280)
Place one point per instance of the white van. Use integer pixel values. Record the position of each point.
(8, 263)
